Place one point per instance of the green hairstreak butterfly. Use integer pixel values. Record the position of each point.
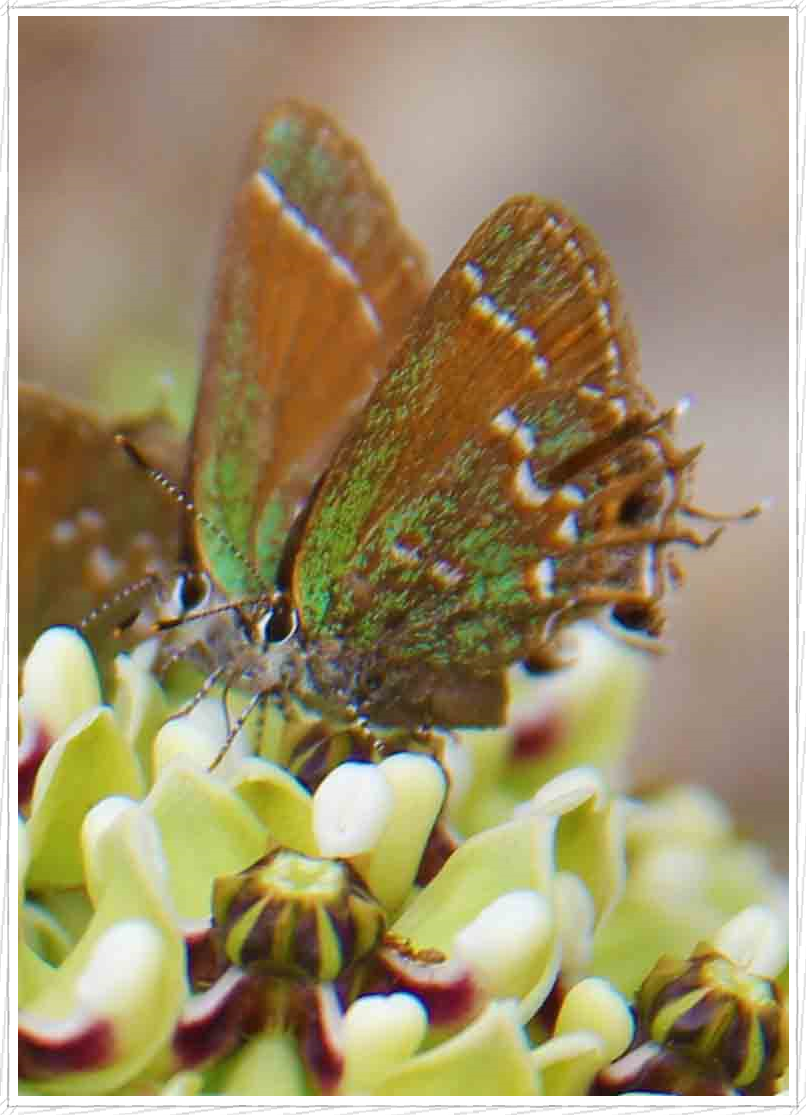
(395, 495)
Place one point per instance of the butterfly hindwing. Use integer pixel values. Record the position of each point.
(483, 495)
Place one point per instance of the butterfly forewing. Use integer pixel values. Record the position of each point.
(508, 473)
(316, 285)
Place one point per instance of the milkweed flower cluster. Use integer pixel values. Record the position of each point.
(487, 914)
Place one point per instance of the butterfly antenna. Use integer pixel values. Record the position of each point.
(181, 497)
(180, 621)
(122, 594)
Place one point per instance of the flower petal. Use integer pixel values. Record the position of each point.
(418, 786)
(381, 1032)
(90, 762)
(351, 809)
(59, 680)
(206, 830)
(490, 1057)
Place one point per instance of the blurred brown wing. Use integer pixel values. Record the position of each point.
(89, 523)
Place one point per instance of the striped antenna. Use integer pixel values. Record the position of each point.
(149, 580)
(181, 497)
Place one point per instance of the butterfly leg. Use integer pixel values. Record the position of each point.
(179, 653)
(257, 700)
(225, 702)
(200, 693)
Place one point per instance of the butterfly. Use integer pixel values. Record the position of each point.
(395, 492)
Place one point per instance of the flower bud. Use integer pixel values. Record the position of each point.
(296, 915)
(716, 1011)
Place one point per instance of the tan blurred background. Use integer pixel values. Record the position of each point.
(668, 135)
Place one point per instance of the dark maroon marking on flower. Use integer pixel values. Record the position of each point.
(210, 1025)
(205, 957)
(258, 945)
(537, 738)
(735, 1039)
(441, 845)
(658, 1070)
(308, 761)
(549, 1011)
(352, 982)
(306, 950)
(321, 750)
(33, 748)
(319, 1025)
(697, 1017)
(48, 1049)
(445, 988)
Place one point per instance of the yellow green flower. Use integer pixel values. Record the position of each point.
(328, 914)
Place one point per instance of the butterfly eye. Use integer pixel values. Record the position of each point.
(191, 591)
(277, 624)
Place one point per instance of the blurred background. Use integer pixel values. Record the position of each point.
(667, 135)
